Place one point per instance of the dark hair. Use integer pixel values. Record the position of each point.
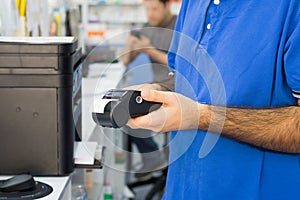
(164, 1)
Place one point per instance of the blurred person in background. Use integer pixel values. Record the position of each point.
(152, 41)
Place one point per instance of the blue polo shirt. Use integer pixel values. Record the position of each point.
(235, 53)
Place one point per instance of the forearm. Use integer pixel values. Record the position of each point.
(276, 129)
(157, 55)
(125, 58)
(128, 56)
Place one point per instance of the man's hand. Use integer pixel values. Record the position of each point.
(131, 40)
(138, 44)
(275, 129)
(141, 44)
(129, 54)
(135, 46)
(177, 112)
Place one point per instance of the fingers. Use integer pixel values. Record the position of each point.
(131, 41)
(154, 95)
(153, 121)
(140, 122)
(177, 113)
(144, 38)
(132, 38)
(132, 87)
(141, 87)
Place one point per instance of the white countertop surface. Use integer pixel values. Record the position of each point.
(61, 187)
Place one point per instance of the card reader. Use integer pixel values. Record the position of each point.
(117, 106)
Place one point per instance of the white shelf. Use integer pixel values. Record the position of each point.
(102, 21)
(116, 4)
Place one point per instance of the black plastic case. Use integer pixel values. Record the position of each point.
(40, 89)
(125, 104)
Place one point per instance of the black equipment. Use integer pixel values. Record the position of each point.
(40, 92)
(118, 106)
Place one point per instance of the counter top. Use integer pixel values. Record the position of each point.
(61, 187)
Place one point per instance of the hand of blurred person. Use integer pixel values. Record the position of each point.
(129, 53)
(142, 44)
(135, 46)
(176, 113)
(131, 40)
(138, 44)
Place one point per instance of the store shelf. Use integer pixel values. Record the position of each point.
(116, 4)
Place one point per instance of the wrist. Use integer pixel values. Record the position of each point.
(203, 116)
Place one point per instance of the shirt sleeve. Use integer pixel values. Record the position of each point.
(292, 51)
